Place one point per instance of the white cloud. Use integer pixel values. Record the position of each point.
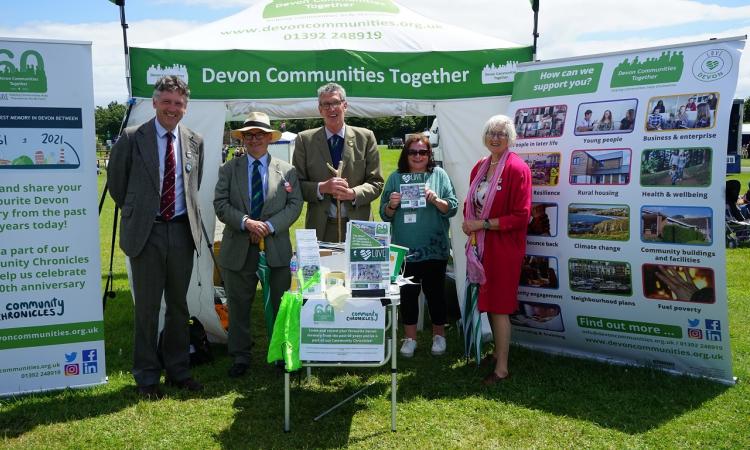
(107, 48)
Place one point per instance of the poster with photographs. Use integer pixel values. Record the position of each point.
(625, 251)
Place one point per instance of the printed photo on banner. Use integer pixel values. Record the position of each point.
(602, 277)
(545, 167)
(540, 122)
(606, 117)
(685, 167)
(599, 221)
(542, 316)
(539, 271)
(609, 166)
(543, 220)
(678, 283)
(681, 112)
(687, 225)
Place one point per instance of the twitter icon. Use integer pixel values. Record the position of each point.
(70, 357)
(694, 322)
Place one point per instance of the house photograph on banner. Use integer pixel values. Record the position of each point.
(273, 56)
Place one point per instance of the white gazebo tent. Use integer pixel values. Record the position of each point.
(273, 56)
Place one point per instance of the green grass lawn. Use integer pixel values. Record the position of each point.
(551, 401)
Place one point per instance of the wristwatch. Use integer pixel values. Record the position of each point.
(486, 224)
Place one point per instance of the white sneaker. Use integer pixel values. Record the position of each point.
(408, 347)
(438, 345)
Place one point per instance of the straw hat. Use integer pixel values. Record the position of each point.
(257, 121)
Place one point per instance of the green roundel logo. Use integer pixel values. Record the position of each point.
(712, 65)
(323, 313)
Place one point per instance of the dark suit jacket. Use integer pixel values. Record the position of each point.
(133, 182)
(361, 170)
(280, 208)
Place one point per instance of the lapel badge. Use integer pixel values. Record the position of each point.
(351, 143)
(287, 186)
(188, 167)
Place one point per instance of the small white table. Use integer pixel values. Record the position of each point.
(390, 302)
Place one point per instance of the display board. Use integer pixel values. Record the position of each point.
(354, 333)
(625, 250)
(51, 324)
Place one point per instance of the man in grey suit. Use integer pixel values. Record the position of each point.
(258, 198)
(316, 151)
(153, 176)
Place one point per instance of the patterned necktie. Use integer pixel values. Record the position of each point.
(166, 206)
(335, 146)
(256, 199)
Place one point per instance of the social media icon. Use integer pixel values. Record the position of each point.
(694, 322)
(70, 357)
(712, 324)
(695, 333)
(89, 355)
(71, 369)
(90, 367)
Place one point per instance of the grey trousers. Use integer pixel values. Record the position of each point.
(163, 267)
(240, 287)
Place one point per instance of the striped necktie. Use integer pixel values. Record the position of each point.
(256, 199)
(166, 205)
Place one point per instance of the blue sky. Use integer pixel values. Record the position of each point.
(568, 27)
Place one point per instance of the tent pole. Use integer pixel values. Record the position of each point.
(535, 7)
(124, 24)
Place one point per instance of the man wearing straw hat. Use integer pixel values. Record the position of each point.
(257, 197)
(339, 167)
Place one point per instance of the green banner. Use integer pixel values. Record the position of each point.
(283, 8)
(64, 333)
(630, 327)
(667, 68)
(339, 336)
(557, 81)
(255, 74)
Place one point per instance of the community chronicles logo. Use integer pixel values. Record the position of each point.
(712, 65)
(33, 308)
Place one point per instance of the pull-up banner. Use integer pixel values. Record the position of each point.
(625, 251)
(51, 327)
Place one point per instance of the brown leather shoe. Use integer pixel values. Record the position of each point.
(493, 378)
(150, 392)
(188, 384)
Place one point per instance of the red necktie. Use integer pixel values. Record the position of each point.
(167, 188)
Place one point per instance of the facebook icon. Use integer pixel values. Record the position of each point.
(712, 324)
(89, 355)
(713, 330)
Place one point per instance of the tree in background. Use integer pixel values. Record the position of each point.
(108, 120)
(746, 112)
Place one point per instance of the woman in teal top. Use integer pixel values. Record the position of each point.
(420, 222)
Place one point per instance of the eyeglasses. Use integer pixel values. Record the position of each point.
(418, 152)
(251, 136)
(330, 105)
(496, 135)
